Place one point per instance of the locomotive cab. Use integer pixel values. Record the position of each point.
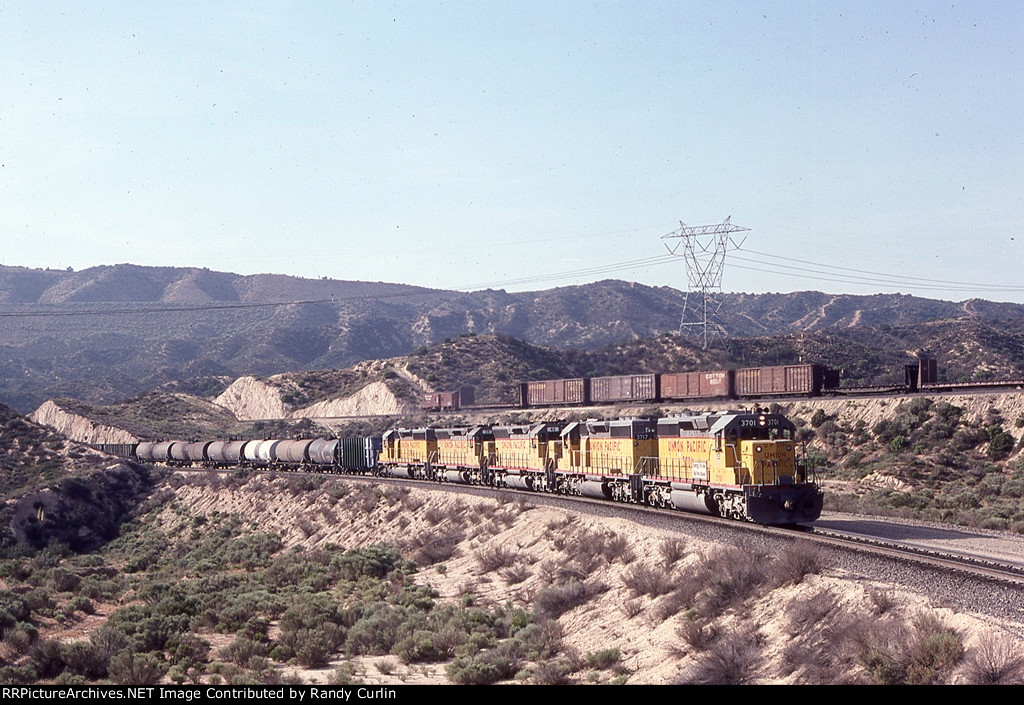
(732, 448)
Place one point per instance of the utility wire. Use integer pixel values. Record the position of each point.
(919, 283)
(900, 278)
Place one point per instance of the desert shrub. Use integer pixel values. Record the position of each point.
(487, 667)
(427, 645)
(127, 668)
(600, 660)
(491, 558)
(541, 640)
(801, 559)
(46, 658)
(429, 549)
(672, 550)
(20, 637)
(243, 649)
(13, 609)
(556, 600)
(731, 575)
(897, 443)
(1001, 445)
(39, 600)
(377, 630)
(697, 634)
(84, 659)
(923, 653)
(80, 603)
(553, 672)
(109, 640)
(631, 608)
(934, 651)
(616, 548)
(385, 666)
(516, 573)
(648, 580)
(994, 661)
(63, 580)
(375, 561)
(730, 660)
(345, 674)
(805, 615)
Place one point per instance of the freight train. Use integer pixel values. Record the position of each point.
(748, 383)
(745, 383)
(742, 465)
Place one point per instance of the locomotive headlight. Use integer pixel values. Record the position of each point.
(757, 448)
(788, 505)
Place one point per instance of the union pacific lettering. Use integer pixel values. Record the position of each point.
(689, 445)
(606, 443)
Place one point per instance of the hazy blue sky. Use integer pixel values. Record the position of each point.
(470, 143)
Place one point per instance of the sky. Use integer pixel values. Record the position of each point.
(869, 147)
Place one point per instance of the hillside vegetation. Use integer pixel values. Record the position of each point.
(286, 580)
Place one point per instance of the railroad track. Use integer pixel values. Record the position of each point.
(1012, 572)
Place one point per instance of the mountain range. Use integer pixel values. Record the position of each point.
(106, 333)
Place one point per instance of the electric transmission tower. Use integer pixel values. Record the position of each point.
(703, 247)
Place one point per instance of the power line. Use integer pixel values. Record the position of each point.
(896, 277)
(918, 283)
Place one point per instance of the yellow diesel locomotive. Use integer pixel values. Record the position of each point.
(736, 464)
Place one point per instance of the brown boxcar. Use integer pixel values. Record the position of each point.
(440, 401)
(624, 388)
(782, 380)
(555, 391)
(697, 385)
(448, 401)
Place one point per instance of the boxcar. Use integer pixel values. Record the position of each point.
(697, 385)
(807, 380)
(624, 388)
(555, 391)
